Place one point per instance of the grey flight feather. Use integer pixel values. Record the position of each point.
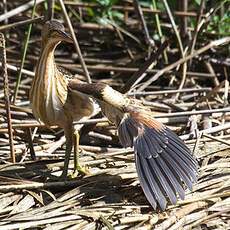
(164, 163)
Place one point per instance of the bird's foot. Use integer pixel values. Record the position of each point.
(79, 170)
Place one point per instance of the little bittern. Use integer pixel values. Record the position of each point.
(52, 101)
(163, 162)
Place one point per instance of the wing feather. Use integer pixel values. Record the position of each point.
(163, 161)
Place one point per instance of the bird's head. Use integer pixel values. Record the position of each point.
(54, 31)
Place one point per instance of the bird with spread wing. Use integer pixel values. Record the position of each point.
(164, 163)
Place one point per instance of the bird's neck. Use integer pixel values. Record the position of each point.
(101, 92)
(46, 68)
(114, 98)
(46, 87)
(46, 64)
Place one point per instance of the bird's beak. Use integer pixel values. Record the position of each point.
(65, 37)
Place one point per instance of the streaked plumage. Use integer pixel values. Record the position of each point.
(52, 102)
(164, 163)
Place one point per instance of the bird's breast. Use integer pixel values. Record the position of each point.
(48, 92)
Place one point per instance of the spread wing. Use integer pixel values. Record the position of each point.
(164, 163)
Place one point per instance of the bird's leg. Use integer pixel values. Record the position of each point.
(68, 131)
(77, 167)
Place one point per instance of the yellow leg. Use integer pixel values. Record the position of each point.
(68, 130)
(77, 167)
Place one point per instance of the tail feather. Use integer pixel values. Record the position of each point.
(163, 161)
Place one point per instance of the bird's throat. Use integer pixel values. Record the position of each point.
(44, 95)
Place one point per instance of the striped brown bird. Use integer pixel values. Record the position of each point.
(52, 101)
(164, 163)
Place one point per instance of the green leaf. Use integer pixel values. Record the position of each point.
(198, 2)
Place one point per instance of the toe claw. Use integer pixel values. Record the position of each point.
(79, 170)
(82, 170)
